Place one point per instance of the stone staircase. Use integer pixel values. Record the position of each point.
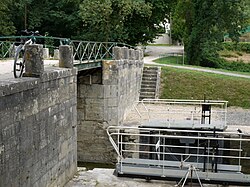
(150, 82)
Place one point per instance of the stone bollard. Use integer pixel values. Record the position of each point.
(131, 54)
(65, 56)
(34, 65)
(125, 53)
(117, 53)
(45, 53)
(56, 54)
(137, 54)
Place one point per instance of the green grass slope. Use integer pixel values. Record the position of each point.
(188, 84)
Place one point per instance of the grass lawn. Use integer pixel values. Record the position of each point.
(188, 84)
(178, 60)
(170, 60)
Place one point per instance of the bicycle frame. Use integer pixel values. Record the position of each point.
(19, 65)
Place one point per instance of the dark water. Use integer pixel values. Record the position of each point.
(92, 165)
(246, 163)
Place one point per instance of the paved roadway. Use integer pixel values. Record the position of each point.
(6, 67)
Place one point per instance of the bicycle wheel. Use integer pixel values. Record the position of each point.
(19, 62)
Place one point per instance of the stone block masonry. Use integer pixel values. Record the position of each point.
(104, 98)
(38, 121)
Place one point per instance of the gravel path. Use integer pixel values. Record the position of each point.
(155, 52)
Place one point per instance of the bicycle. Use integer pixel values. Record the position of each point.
(19, 58)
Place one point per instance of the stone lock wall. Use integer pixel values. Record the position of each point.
(38, 121)
(104, 98)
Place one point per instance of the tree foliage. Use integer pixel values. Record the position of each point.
(202, 25)
(103, 20)
(144, 24)
(130, 21)
(59, 18)
(6, 25)
(199, 23)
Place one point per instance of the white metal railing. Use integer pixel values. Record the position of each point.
(165, 147)
(175, 111)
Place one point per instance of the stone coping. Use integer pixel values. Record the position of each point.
(14, 85)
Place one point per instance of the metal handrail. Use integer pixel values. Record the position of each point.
(8, 43)
(131, 144)
(174, 111)
(88, 51)
(83, 51)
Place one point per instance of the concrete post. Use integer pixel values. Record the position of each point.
(45, 53)
(131, 54)
(137, 54)
(65, 56)
(34, 65)
(141, 55)
(125, 53)
(56, 54)
(117, 53)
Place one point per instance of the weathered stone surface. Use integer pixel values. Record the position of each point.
(34, 65)
(132, 54)
(38, 129)
(118, 53)
(106, 103)
(100, 177)
(125, 51)
(65, 56)
(56, 54)
(45, 53)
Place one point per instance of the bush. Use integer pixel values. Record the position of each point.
(223, 64)
(241, 46)
(237, 66)
(212, 62)
(229, 54)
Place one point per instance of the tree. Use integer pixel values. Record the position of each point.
(59, 18)
(204, 25)
(144, 24)
(129, 21)
(6, 25)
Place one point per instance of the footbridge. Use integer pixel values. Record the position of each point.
(86, 54)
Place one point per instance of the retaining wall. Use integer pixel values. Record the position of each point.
(104, 98)
(238, 116)
(38, 121)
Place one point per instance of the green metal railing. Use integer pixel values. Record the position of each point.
(6, 49)
(83, 51)
(94, 51)
(8, 43)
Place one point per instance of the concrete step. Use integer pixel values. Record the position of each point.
(150, 68)
(149, 78)
(153, 72)
(148, 85)
(150, 75)
(143, 94)
(149, 82)
(151, 85)
(146, 89)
